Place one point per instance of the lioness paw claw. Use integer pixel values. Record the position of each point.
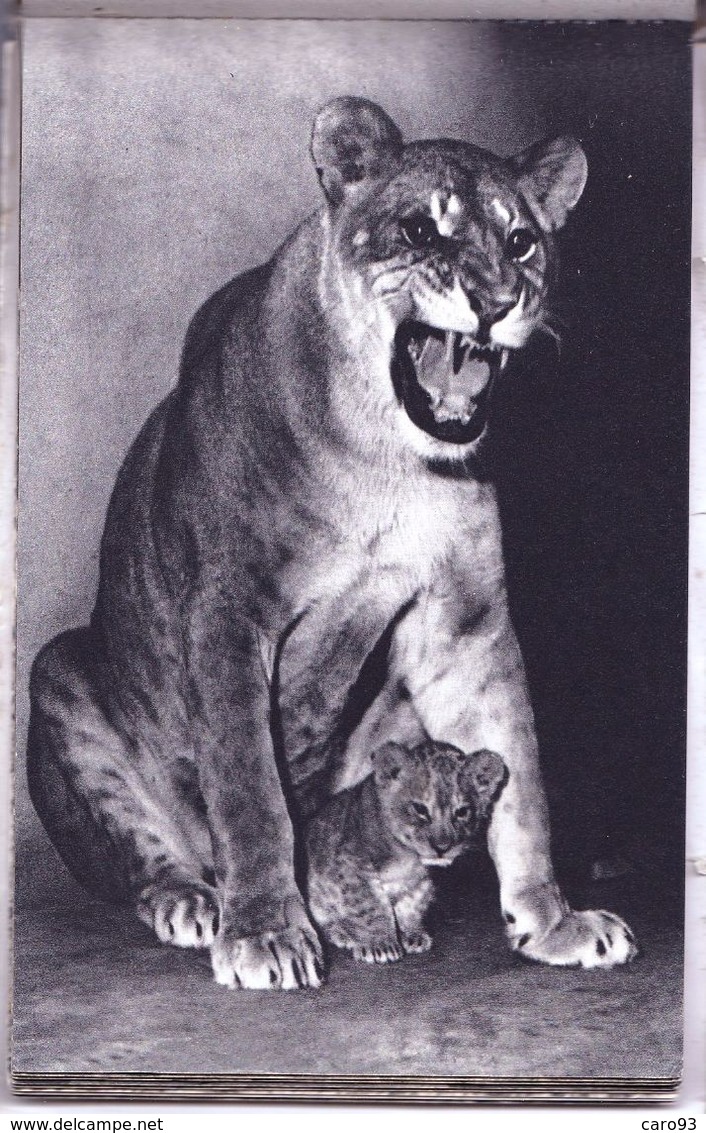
(286, 960)
(593, 938)
(182, 915)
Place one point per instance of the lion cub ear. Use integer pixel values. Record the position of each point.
(388, 761)
(353, 140)
(552, 179)
(488, 774)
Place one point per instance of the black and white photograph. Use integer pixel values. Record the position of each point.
(352, 558)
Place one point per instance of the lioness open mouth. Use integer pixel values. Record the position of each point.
(443, 379)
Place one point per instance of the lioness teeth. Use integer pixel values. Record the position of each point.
(442, 413)
(452, 371)
(454, 343)
(451, 406)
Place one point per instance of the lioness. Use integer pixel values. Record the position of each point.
(308, 497)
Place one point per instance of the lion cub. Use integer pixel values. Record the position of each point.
(370, 847)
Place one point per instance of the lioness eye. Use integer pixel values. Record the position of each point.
(520, 245)
(422, 811)
(419, 231)
(461, 812)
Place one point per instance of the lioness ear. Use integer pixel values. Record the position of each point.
(488, 774)
(352, 140)
(388, 760)
(552, 178)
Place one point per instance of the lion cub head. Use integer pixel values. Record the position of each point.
(437, 265)
(436, 798)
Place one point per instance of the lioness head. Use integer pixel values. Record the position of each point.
(439, 255)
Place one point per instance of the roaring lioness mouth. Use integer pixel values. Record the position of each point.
(443, 380)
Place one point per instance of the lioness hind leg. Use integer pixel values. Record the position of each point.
(116, 820)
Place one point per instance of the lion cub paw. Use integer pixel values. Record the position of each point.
(283, 959)
(184, 915)
(589, 939)
(380, 952)
(413, 942)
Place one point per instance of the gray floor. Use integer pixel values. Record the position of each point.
(95, 992)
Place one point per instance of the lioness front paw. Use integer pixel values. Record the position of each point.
(379, 952)
(413, 942)
(589, 939)
(185, 915)
(285, 958)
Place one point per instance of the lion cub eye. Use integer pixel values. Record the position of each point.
(421, 811)
(419, 231)
(462, 812)
(520, 245)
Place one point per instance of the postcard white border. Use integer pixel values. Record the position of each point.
(692, 1097)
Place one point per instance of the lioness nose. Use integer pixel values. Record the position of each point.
(489, 311)
(440, 845)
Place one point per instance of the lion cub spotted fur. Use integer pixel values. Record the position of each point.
(370, 847)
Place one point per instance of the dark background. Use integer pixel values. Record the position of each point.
(162, 158)
(592, 453)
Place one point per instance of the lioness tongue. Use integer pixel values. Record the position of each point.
(450, 376)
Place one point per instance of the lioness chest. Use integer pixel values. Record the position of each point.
(394, 540)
